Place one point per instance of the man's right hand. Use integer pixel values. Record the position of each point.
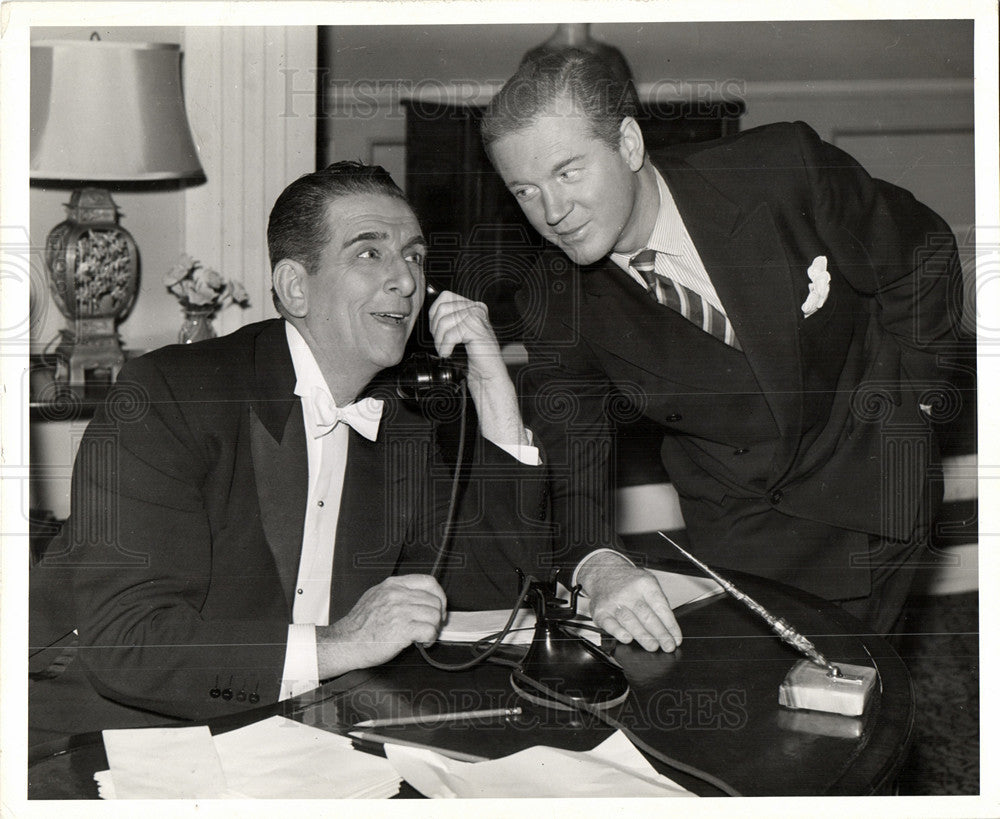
(389, 617)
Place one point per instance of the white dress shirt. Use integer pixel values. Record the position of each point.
(676, 257)
(327, 458)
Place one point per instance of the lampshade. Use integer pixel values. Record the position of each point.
(107, 111)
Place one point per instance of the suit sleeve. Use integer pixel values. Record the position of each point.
(141, 540)
(892, 248)
(500, 522)
(568, 403)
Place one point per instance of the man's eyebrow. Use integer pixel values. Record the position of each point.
(415, 240)
(565, 162)
(367, 236)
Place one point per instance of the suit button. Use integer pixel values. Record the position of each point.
(214, 693)
(673, 418)
(741, 451)
(254, 698)
(776, 496)
(227, 694)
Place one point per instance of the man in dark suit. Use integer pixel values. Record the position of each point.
(254, 514)
(777, 310)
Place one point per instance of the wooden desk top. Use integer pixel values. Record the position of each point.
(712, 705)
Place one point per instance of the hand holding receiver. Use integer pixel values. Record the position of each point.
(396, 613)
(457, 320)
(628, 603)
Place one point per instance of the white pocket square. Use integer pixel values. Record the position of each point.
(819, 286)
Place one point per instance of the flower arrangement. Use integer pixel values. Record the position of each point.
(202, 289)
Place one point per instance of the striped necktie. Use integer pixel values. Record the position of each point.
(682, 299)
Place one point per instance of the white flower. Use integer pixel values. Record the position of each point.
(196, 285)
(819, 286)
(179, 270)
(208, 279)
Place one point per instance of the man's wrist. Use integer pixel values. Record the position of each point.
(597, 560)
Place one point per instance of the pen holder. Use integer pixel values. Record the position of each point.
(812, 687)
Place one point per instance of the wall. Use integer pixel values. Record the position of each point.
(857, 77)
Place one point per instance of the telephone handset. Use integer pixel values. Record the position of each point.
(423, 373)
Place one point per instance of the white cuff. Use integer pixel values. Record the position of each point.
(580, 565)
(301, 671)
(527, 455)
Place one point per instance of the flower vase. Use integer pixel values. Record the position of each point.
(197, 325)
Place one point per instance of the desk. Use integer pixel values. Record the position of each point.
(712, 705)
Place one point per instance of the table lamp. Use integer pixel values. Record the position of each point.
(102, 112)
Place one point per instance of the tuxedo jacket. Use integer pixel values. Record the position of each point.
(189, 495)
(789, 455)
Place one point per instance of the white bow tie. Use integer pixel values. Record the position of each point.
(363, 416)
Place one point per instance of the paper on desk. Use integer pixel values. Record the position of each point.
(162, 763)
(471, 626)
(614, 768)
(276, 758)
(280, 758)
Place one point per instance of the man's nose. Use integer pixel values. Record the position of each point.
(556, 207)
(401, 278)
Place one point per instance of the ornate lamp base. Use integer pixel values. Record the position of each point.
(92, 345)
(93, 270)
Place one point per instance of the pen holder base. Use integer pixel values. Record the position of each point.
(812, 687)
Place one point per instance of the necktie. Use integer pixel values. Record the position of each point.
(362, 416)
(682, 299)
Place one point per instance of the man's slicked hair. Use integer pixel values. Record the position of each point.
(297, 228)
(585, 80)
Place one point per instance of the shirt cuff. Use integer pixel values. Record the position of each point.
(527, 455)
(581, 564)
(301, 671)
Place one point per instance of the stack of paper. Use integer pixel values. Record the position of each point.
(161, 763)
(614, 768)
(276, 758)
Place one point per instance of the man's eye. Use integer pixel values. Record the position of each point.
(524, 193)
(570, 174)
(370, 253)
(416, 257)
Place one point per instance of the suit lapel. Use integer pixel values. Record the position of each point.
(744, 257)
(278, 446)
(619, 316)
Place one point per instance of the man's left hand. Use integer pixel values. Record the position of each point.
(628, 603)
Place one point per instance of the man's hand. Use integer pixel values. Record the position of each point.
(389, 617)
(456, 320)
(628, 603)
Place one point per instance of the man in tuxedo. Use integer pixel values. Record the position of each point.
(256, 513)
(778, 311)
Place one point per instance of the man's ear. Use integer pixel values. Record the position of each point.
(289, 281)
(631, 145)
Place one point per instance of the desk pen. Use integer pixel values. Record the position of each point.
(778, 625)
